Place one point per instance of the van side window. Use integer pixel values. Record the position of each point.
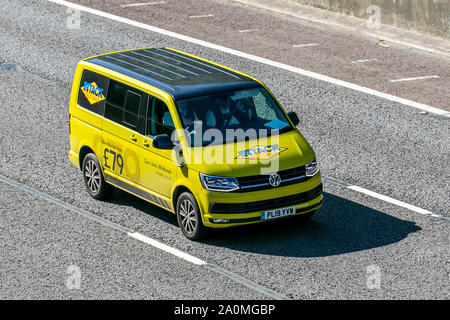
(92, 92)
(131, 110)
(123, 104)
(159, 120)
(115, 101)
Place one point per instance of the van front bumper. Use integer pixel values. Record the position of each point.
(221, 210)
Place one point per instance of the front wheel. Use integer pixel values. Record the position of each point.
(189, 217)
(95, 184)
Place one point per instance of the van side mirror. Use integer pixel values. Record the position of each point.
(294, 118)
(162, 141)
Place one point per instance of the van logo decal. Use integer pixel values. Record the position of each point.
(260, 153)
(92, 92)
(274, 180)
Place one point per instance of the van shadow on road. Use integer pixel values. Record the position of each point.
(340, 226)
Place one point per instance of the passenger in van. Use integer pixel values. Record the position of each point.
(187, 116)
(221, 118)
(224, 118)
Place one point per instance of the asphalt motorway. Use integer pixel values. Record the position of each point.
(326, 49)
(360, 139)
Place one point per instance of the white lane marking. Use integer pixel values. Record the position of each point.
(63, 204)
(408, 44)
(202, 16)
(311, 18)
(385, 198)
(142, 4)
(166, 248)
(331, 180)
(416, 78)
(241, 54)
(390, 200)
(248, 30)
(231, 275)
(305, 45)
(365, 60)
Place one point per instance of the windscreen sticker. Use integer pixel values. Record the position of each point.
(276, 124)
(92, 92)
(260, 153)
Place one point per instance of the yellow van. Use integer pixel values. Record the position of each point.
(198, 139)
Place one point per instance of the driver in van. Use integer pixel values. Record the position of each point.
(188, 116)
(223, 120)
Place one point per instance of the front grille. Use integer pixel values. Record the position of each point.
(260, 182)
(227, 208)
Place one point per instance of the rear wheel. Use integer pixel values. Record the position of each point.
(189, 217)
(95, 184)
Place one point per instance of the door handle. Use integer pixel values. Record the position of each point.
(133, 137)
(146, 143)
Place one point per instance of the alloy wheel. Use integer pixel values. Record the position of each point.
(92, 176)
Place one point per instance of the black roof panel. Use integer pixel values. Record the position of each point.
(176, 73)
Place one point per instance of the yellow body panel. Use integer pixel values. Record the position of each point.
(117, 144)
(153, 174)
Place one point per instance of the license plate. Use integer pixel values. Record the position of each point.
(278, 213)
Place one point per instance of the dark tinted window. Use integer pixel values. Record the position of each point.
(159, 120)
(123, 104)
(252, 110)
(116, 93)
(92, 92)
(131, 111)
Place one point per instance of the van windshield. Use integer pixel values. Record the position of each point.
(231, 116)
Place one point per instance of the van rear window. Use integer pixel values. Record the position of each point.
(92, 92)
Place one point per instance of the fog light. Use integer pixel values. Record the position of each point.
(221, 221)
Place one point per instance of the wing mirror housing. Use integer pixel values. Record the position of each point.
(294, 118)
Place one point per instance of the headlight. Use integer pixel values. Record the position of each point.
(312, 168)
(215, 183)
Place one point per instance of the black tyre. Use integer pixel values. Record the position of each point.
(95, 184)
(189, 217)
